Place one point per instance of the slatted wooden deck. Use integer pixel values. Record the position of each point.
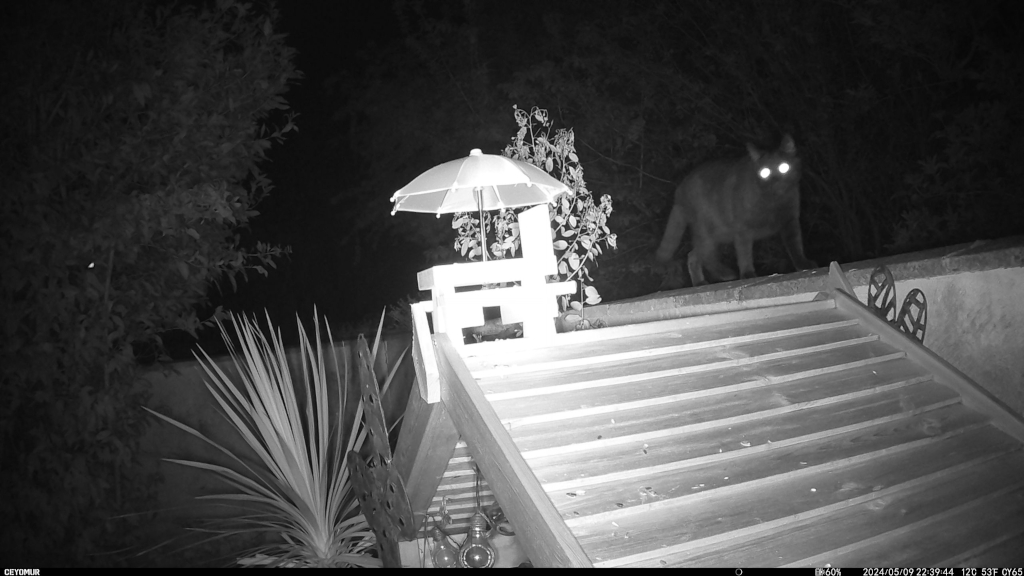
(797, 435)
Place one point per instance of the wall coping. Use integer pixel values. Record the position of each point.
(802, 286)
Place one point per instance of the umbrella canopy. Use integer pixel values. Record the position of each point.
(477, 182)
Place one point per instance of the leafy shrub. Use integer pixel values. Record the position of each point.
(580, 224)
(967, 189)
(129, 149)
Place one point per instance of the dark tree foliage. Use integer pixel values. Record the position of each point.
(129, 149)
(904, 112)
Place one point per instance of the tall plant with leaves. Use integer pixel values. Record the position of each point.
(130, 150)
(579, 222)
(301, 492)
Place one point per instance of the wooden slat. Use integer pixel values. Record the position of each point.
(461, 507)
(463, 484)
(522, 498)
(772, 505)
(917, 398)
(465, 490)
(698, 361)
(461, 458)
(718, 411)
(661, 344)
(479, 352)
(626, 488)
(589, 469)
(970, 525)
(477, 273)
(1005, 550)
(726, 380)
(458, 485)
(461, 473)
(679, 472)
(747, 393)
(796, 544)
(974, 396)
(425, 445)
(460, 491)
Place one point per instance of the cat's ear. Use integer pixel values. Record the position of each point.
(755, 154)
(788, 146)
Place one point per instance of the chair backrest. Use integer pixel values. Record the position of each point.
(533, 302)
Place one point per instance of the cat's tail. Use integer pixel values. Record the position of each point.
(673, 234)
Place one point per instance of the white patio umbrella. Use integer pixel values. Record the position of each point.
(477, 182)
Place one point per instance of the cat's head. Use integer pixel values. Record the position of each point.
(779, 170)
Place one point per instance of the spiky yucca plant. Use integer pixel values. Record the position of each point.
(302, 492)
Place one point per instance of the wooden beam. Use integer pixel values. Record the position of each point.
(582, 337)
(972, 395)
(540, 529)
(510, 295)
(426, 443)
(476, 273)
(837, 280)
(423, 357)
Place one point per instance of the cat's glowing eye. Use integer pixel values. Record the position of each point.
(91, 265)
(783, 168)
(765, 173)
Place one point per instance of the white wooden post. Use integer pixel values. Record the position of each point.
(423, 355)
(536, 308)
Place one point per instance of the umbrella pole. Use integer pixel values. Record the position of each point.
(479, 192)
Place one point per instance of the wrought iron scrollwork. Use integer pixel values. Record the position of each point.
(913, 314)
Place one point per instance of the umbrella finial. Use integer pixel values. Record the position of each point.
(476, 152)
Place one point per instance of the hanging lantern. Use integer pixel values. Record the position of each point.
(476, 551)
(444, 555)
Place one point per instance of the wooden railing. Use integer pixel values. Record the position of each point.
(545, 538)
